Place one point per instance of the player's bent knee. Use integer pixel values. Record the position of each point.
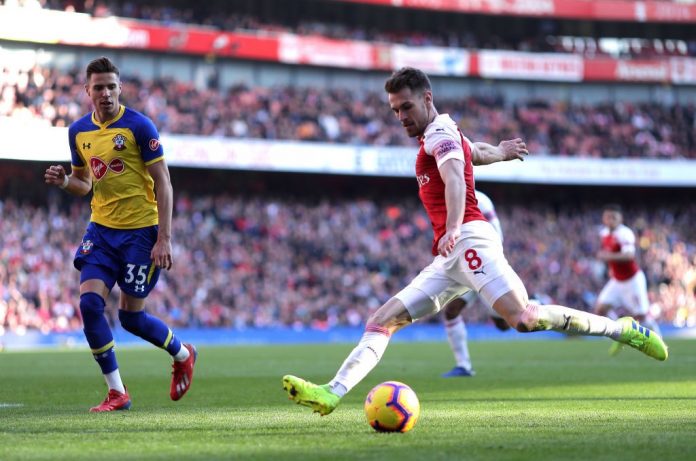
(393, 316)
(454, 308)
(392, 324)
(91, 308)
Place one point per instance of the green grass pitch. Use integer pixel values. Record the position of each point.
(530, 400)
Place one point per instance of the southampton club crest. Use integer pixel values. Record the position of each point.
(119, 142)
(86, 247)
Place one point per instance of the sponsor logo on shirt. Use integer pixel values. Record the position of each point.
(154, 144)
(100, 168)
(444, 148)
(117, 166)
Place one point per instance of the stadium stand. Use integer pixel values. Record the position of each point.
(251, 257)
(538, 36)
(274, 256)
(609, 130)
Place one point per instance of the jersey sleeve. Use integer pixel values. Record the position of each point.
(147, 138)
(442, 144)
(76, 160)
(626, 239)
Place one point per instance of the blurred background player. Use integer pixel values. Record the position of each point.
(454, 324)
(627, 289)
(468, 252)
(116, 154)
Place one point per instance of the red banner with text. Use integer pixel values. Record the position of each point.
(55, 27)
(604, 10)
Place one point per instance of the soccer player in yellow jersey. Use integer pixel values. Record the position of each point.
(117, 155)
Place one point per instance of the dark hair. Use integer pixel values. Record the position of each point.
(407, 77)
(614, 207)
(101, 65)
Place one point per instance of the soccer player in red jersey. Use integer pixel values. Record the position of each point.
(627, 287)
(468, 252)
(116, 154)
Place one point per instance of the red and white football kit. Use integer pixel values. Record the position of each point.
(477, 261)
(627, 286)
(487, 208)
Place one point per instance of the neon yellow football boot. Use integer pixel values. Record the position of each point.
(643, 339)
(318, 398)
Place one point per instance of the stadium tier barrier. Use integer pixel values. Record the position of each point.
(204, 121)
(311, 157)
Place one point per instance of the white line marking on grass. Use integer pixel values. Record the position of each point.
(10, 405)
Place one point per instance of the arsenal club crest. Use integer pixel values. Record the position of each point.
(119, 142)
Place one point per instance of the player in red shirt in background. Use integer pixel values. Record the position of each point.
(627, 288)
(454, 324)
(468, 251)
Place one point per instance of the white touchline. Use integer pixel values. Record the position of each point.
(10, 405)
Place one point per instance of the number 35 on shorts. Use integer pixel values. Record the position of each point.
(139, 279)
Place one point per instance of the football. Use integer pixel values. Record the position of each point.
(392, 407)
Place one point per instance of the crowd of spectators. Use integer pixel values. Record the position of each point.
(606, 130)
(267, 261)
(546, 37)
(270, 261)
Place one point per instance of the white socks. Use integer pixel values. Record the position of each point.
(182, 355)
(571, 321)
(361, 360)
(113, 380)
(456, 335)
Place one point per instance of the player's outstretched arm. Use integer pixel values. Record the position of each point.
(78, 183)
(511, 149)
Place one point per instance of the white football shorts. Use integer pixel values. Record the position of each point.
(471, 295)
(476, 263)
(631, 294)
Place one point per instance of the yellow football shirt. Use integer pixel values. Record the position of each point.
(117, 153)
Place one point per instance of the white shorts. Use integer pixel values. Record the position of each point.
(631, 294)
(471, 295)
(476, 263)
